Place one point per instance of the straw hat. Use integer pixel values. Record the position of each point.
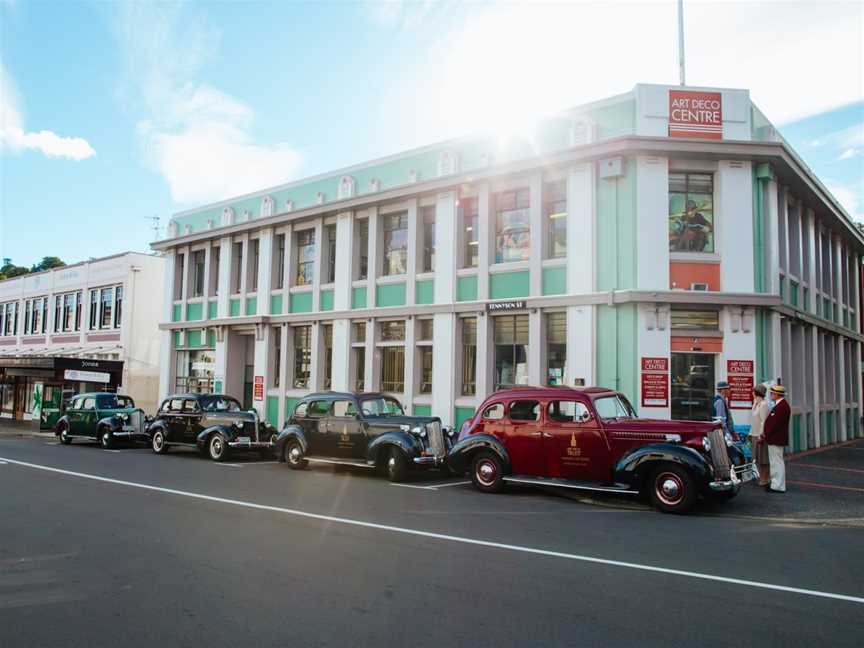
(778, 389)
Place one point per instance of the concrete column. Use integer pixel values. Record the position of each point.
(812, 343)
(413, 253)
(166, 355)
(447, 252)
(187, 277)
(410, 363)
(444, 374)
(856, 292)
(580, 236)
(652, 217)
(373, 358)
(580, 345)
(536, 347)
(375, 246)
(226, 262)
(841, 386)
(265, 272)
(316, 370)
(344, 269)
(208, 254)
(734, 225)
(809, 225)
(783, 224)
(166, 364)
(284, 375)
(263, 363)
(317, 265)
(342, 352)
(776, 352)
(772, 235)
(220, 371)
(653, 341)
(485, 356)
(538, 235)
(486, 241)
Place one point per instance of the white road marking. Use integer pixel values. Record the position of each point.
(3, 463)
(413, 486)
(463, 483)
(219, 463)
(451, 538)
(107, 450)
(52, 443)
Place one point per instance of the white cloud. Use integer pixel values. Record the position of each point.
(193, 134)
(849, 196)
(849, 153)
(15, 138)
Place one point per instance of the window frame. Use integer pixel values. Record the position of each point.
(686, 193)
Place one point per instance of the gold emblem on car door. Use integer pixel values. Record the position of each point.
(574, 450)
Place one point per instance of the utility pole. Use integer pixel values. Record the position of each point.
(155, 226)
(681, 42)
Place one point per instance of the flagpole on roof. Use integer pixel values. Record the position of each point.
(681, 42)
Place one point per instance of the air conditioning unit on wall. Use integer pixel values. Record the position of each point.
(699, 286)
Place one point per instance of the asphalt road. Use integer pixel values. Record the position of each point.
(178, 550)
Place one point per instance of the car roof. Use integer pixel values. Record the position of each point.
(332, 395)
(551, 391)
(197, 396)
(93, 394)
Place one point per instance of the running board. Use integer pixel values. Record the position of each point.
(564, 483)
(340, 462)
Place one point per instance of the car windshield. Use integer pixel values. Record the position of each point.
(613, 407)
(219, 404)
(381, 406)
(112, 401)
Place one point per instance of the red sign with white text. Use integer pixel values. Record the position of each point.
(740, 378)
(655, 364)
(655, 390)
(695, 114)
(739, 367)
(258, 388)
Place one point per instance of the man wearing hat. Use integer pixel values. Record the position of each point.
(720, 408)
(776, 435)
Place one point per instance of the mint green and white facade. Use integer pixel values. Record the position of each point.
(601, 250)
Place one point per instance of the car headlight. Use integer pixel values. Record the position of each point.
(405, 428)
(706, 443)
(239, 424)
(420, 431)
(123, 417)
(448, 431)
(729, 440)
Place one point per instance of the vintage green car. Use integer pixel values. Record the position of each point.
(104, 417)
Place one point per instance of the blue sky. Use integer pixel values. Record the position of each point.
(115, 112)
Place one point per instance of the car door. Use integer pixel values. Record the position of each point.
(174, 421)
(191, 416)
(87, 417)
(345, 430)
(313, 419)
(73, 412)
(574, 443)
(523, 437)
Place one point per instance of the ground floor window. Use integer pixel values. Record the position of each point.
(469, 356)
(693, 380)
(556, 348)
(510, 333)
(393, 369)
(360, 368)
(328, 355)
(425, 369)
(302, 356)
(195, 371)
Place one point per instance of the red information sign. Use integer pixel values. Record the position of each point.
(655, 390)
(258, 388)
(655, 364)
(740, 378)
(695, 114)
(739, 367)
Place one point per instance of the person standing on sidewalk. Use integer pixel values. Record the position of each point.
(758, 416)
(720, 408)
(776, 435)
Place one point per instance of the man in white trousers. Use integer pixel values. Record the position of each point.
(776, 435)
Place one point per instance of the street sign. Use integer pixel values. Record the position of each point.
(258, 389)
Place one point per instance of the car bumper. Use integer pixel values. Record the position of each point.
(739, 475)
(429, 460)
(131, 433)
(249, 445)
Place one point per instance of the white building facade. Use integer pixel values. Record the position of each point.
(88, 326)
(655, 242)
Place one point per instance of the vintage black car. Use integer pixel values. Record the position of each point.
(361, 429)
(214, 424)
(101, 416)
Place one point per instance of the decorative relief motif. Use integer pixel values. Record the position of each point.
(347, 187)
(247, 215)
(412, 176)
(448, 163)
(227, 216)
(319, 198)
(173, 229)
(582, 131)
(289, 205)
(374, 185)
(268, 206)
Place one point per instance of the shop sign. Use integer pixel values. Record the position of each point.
(502, 306)
(740, 379)
(258, 389)
(87, 376)
(655, 382)
(695, 114)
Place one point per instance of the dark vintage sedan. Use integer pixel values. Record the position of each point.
(361, 429)
(101, 416)
(213, 424)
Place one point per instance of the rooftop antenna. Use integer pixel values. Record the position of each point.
(155, 226)
(681, 42)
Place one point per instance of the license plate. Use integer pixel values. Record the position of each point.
(243, 440)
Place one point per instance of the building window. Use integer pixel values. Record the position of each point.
(393, 356)
(252, 273)
(195, 371)
(94, 309)
(555, 215)
(280, 262)
(106, 299)
(424, 335)
(692, 388)
(68, 316)
(511, 350)
(57, 313)
(7, 312)
(215, 260)
(395, 228)
(179, 271)
(359, 331)
(305, 257)
(469, 356)
(237, 270)
(468, 219)
(359, 368)
(695, 320)
(556, 348)
(118, 306)
(277, 350)
(302, 356)
(512, 226)
(327, 334)
(330, 234)
(428, 216)
(363, 249)
(198, 273)
(691, 212)
(35, 316)
(79, 298)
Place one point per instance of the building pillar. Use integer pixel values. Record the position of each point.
(652, 217)
(580, 346)
(485, 241)
(226, 262)
(342, 352)
(373, 264)
(446, 249)
(317, 266)
(166, 347)
(444, 376)
(265, 270)
(284, 375)
(772, 235)
(263, 365)
(809, 225)
(538, 234)
(316, 346)
(485, 357)
(653, 341)
(410, 363)
(344, 268)
(413, 252)
(373, 359)
(776, 351)
(815, 383)
(580, 236)
(536, 347)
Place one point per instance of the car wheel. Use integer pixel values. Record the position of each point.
(217, 448)
(65, 439)
(105, 439)
(294, 455)
(487, 472)
(158, 442)
(396, 465)
(672, 489)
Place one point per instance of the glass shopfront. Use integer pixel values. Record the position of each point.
(195, 371)
(511, 350)
(693, 379)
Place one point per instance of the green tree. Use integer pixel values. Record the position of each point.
(47, 263)
(10, 270)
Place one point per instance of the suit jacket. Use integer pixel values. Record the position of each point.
(777, 424)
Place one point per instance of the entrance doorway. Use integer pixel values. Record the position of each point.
(693, 380)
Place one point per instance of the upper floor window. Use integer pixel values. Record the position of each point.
(392, 337)
(512, 226)
(695, 320)
(302, 356)
(36, 316)
(468, 216)
(555, 215)
(279, 269)
(198, 273)
(179, 271)
(469, 356)
(427, 215)
(363, 248)
(395, 228)
(691, 212)
(556, 348)
(106, 308)
(215, 262)
(68, 318)
(9, 318)
(237, 268)
(305, 257)
(330, 236)
(252, 272)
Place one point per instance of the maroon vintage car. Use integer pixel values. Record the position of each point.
(591, 439)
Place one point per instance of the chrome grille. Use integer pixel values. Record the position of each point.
(719, 454)
(436, 438)
(136, 421)
(250, 430)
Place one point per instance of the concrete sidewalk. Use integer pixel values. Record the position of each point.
(10, 428)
